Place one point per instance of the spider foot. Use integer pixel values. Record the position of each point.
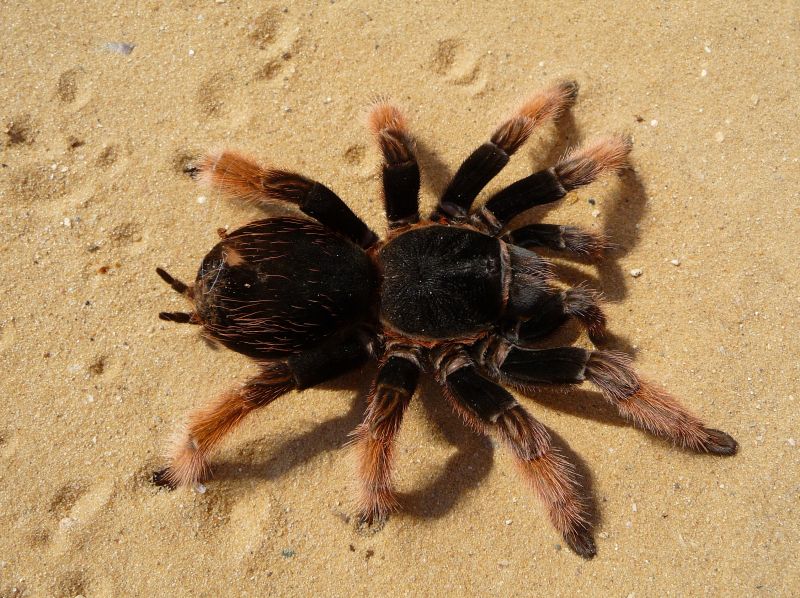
(581, 543)
(720, 443)
(370, 523)
(163, 479)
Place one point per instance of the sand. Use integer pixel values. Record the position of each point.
(93, 198)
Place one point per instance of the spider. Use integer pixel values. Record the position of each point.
(458, 294)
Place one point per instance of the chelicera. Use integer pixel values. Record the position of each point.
(458, 294)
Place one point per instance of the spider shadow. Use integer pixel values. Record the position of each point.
(436, 173)
(463, 471)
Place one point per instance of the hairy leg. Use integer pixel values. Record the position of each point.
(242, 178)
(208, 425)
(488, 408)
(646, 405)
(490, 158)
(554, 309)
(569, 239)
(401, 178)
(578, 168)
(374, 438)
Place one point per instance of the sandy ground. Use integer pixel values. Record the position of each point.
(93, 198)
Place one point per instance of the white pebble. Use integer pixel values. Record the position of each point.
(90, 399)
(201, 199)
(707, 48)
(66, 523)
(201, 489)
(675, 262)
(704, 73)
(327, 100)
(633, 508)
(595, 213)
(754, 99)
(791, 442)
(191, 52)
(508, 522)
(719, 136)
(654, 123)
(67, 222)
(636, 272)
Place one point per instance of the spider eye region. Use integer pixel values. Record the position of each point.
(441, 282)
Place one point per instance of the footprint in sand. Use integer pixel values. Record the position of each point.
(33, 183)
(20, 130)
(269, 31)
(69, 89)
(74, 507)
(458, 65)
(211, 95)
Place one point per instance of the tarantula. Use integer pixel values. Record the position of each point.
(456, 294)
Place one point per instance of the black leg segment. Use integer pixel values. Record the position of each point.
(559, 238)
(242, 178)
(491, 157)
(578, 168)
(401, 179)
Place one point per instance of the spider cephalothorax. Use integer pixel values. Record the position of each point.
(457, 294)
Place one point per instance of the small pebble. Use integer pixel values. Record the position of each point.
(327, 100)
(66, 523)
(67, 222)
(754, 99)
(201, 488)
(120, 47)
(654, 123)
(636, 272)
(191, 52)
(595, 213)
(704, 73)
(675, 262)
(508, 521)
(201, 199)
(719, 136)
(90, 399)
(288, 553)
(634, 508)
(707, 48)
(791, 442)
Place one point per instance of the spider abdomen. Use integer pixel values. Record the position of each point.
(441, 282)
(276, 286)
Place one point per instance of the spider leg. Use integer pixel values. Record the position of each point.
(374, 438)
(490, 158)
(647, 406)
(242, 178)
(561, 238)
(487, 407)
(580, 167)
(554, 308)
(208, 425)
(400, 169)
